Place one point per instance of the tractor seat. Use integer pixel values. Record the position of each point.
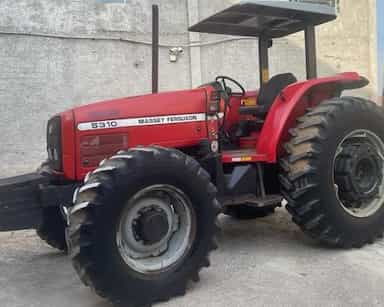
(267, 95)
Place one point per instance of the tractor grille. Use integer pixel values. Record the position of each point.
(54, 143)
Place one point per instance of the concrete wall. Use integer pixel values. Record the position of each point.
(48, 62)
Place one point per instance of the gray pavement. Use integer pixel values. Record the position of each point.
(267, 262)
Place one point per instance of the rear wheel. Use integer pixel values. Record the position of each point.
(332, 174)
(143, 225)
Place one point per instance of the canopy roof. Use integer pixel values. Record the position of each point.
(267, 19)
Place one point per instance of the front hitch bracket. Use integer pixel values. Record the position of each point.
(23, 199)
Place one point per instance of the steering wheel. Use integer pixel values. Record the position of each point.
(222, 80)
(227, 92)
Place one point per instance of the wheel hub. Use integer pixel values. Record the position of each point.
(152, 226)
(358, 172)
(156, 229)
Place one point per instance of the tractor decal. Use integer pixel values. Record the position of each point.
(143, 121)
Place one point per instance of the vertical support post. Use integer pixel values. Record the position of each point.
(260, 173)
(264, 44)
(310, 52)
(155, 49)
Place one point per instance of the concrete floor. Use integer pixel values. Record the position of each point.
(264, 263)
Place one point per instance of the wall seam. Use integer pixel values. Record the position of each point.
(194, 39)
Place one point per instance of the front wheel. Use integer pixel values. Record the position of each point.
(332, 174)
(143, 225)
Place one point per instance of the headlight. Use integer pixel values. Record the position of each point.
(54, 143)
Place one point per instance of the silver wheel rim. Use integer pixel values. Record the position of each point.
(370, 207)
(174, 246)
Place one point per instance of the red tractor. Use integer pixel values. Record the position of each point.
(150, 174)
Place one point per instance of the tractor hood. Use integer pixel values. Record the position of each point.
(169, 103)
(99, 130)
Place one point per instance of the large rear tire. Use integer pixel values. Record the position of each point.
(332, 173)
(143, 225)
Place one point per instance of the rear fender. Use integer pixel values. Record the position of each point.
(293, 102)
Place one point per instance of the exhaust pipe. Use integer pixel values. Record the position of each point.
(155, 49)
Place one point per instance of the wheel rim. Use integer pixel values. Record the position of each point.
(365, 172)
(156, 230)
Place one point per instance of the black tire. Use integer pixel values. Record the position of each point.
(52, 229)
(308, 170)
(245, 212)
(92, 232)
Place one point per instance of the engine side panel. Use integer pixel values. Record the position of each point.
(176, 119)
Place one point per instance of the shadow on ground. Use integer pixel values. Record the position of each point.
(260, 263)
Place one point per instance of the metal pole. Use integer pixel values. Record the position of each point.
(263, 60)
(155, 49)
(310, 52)
(261, 179)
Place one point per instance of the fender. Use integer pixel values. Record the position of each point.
(293, 102)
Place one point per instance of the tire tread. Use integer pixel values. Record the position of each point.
(83, 220)
(298, 171)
